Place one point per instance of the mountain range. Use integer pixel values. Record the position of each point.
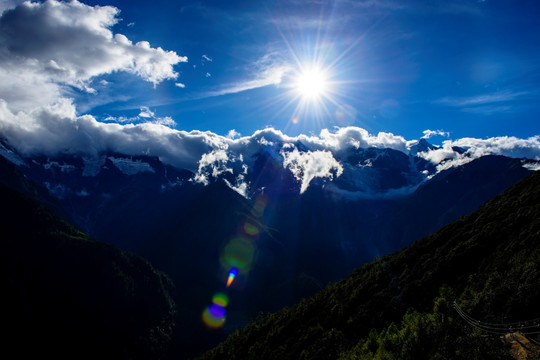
(400, 305)
(317, 215)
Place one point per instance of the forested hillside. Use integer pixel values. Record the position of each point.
(66, 295)
(399, 306)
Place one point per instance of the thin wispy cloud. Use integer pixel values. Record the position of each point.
(483, 99)
(382, 4)
(487, 110)
(485, 104)
(268, 70)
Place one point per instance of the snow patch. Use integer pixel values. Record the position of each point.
(11, 156)
(131, 167)
(65, 168)
(241, 187)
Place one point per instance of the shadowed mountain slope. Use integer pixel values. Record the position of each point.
(399, 306)
(66, 295)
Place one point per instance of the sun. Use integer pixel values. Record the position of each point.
(311, 84)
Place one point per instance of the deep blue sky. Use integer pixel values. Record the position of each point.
(467, 67)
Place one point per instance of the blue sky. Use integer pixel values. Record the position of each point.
(466, 67)
(470, 68)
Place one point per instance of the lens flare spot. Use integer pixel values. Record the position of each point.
(214, 315)
(251, 228)
(220, 299)
(259, 206)
(232, 276)
(238, 254)
(213, 318)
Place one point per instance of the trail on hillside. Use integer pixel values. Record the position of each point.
(519, 335)
(522, 347)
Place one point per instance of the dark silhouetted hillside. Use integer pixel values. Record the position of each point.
(68, 296)
(399, 306)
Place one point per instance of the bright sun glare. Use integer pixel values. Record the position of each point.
(311, 83)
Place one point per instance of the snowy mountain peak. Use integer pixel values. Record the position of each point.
(421, 146)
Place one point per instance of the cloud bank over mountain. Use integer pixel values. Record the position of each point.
(47, 48)
(56, 130)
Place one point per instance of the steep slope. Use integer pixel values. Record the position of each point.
(309, 239)
(399, 305)
(68, 296)
(448, 196)
(11, 176)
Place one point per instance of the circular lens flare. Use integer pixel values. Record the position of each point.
(214, 317)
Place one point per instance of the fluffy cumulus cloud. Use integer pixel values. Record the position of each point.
(430, 133)
(458, 152)
(306, 166)
(45, 46)
(212, 164)
(51, 130)
(57, 129)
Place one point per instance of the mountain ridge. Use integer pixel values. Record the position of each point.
(309, 239)
(71, 296)
(485, 260)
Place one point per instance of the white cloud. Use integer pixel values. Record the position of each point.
(165, 121)
(146, 112)
(48, 45)
(268, 70)
(145, 116)
(57, 129)
(429, 133)
(306, 166)
(534, 166)
(343, 139)
(8, 4)
(486, 104)
(447, 155)
(217, 161)
(241, 187)
(233, 134)
(180, 85)
(207, 58)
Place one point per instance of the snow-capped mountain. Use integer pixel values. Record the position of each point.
(71, 176)
(370, 183)
(319, 211)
